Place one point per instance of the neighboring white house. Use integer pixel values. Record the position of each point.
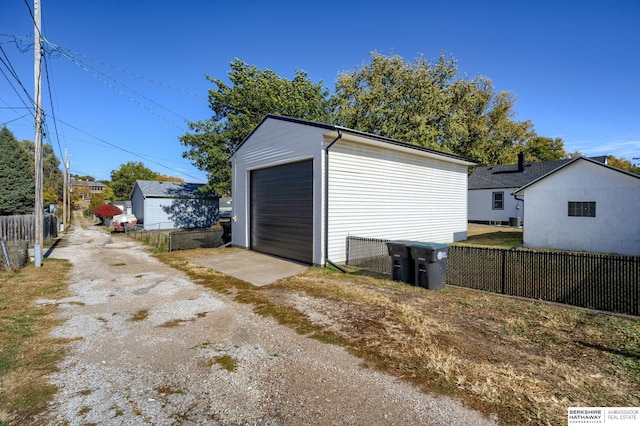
(124, 205)
(583, 205)
(491, 188)
(170, 205)
(300, 188)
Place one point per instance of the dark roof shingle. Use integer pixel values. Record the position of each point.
(508, 176)
(152, 188)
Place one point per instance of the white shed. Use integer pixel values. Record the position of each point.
(583, 205)
(300, 188)
(170, 205)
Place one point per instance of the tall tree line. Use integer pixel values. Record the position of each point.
(426, 103)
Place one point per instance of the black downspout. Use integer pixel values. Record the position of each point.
(522, 200)
(326, 203)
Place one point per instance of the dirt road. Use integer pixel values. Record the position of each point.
(151, 347)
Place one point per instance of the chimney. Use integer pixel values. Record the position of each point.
(521, 162)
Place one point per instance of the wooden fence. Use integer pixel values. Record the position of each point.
(22, 227)
(602, 282)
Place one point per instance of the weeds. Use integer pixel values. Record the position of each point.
(28, 352)
(226, 362)
(524, 361)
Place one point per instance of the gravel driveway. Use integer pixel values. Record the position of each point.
(149, 348)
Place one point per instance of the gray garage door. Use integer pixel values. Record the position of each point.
(282, 211)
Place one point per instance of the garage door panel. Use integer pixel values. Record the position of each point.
(282, 211)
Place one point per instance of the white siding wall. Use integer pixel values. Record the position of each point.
(155, 216)
(615, 229)
(382, 193)
(481, 206)
(277, 142)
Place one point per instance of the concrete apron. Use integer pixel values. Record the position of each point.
(253, 267)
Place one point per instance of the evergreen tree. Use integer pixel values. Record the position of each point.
(17, 180)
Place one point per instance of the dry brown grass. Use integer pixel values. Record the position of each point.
(524, 361)
(27, 352)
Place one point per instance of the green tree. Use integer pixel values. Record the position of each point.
(540, 148)
(95, 201)
(87, 178)
(239, 107)
(107, 193)
(428, 104)
(623, 163)
(396, 99)
(52, 178)
(123, 179)
(17, 180)
(166, 178)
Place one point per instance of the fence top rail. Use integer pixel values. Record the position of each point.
(524, 251)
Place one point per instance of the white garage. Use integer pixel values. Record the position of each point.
(300, 188)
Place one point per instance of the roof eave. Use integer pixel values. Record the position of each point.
(371, 139)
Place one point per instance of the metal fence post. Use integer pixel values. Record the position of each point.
(504, 270)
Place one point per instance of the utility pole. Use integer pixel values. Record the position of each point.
(69, 193)
(37, 74)
(64, 191)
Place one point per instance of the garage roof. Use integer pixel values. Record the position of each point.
(159, 189)
(334, 131)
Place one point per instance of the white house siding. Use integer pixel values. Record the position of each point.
(481, 206)
(274, 143)
(615, 229)
(137, 204)
(378, 192)
(155, 216)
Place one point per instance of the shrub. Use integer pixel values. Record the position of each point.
(104, 211)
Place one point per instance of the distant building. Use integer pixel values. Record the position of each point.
(170, 205)
(491, 188)
(87, 188)
(583, 205)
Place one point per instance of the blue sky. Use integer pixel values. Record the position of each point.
(135, 70)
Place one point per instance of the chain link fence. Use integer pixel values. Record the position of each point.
(596, 281)
(14, 255)
(181, 239)
(369, 253)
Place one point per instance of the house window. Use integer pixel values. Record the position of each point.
(498, 201)
(582, 208)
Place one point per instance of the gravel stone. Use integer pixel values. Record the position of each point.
(146, 348)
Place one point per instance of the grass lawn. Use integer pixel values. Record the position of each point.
(504, 237)
(27, 352)
(523, 361)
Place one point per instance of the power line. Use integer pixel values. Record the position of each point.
(94, 73)
(15, 119)
(75, 58)
(128, 151)
(55, 124)
(138, 76)
(7, 63)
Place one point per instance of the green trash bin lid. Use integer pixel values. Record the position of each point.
(429, 246)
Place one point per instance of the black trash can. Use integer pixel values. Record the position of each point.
(402, 268)
(430, 263)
